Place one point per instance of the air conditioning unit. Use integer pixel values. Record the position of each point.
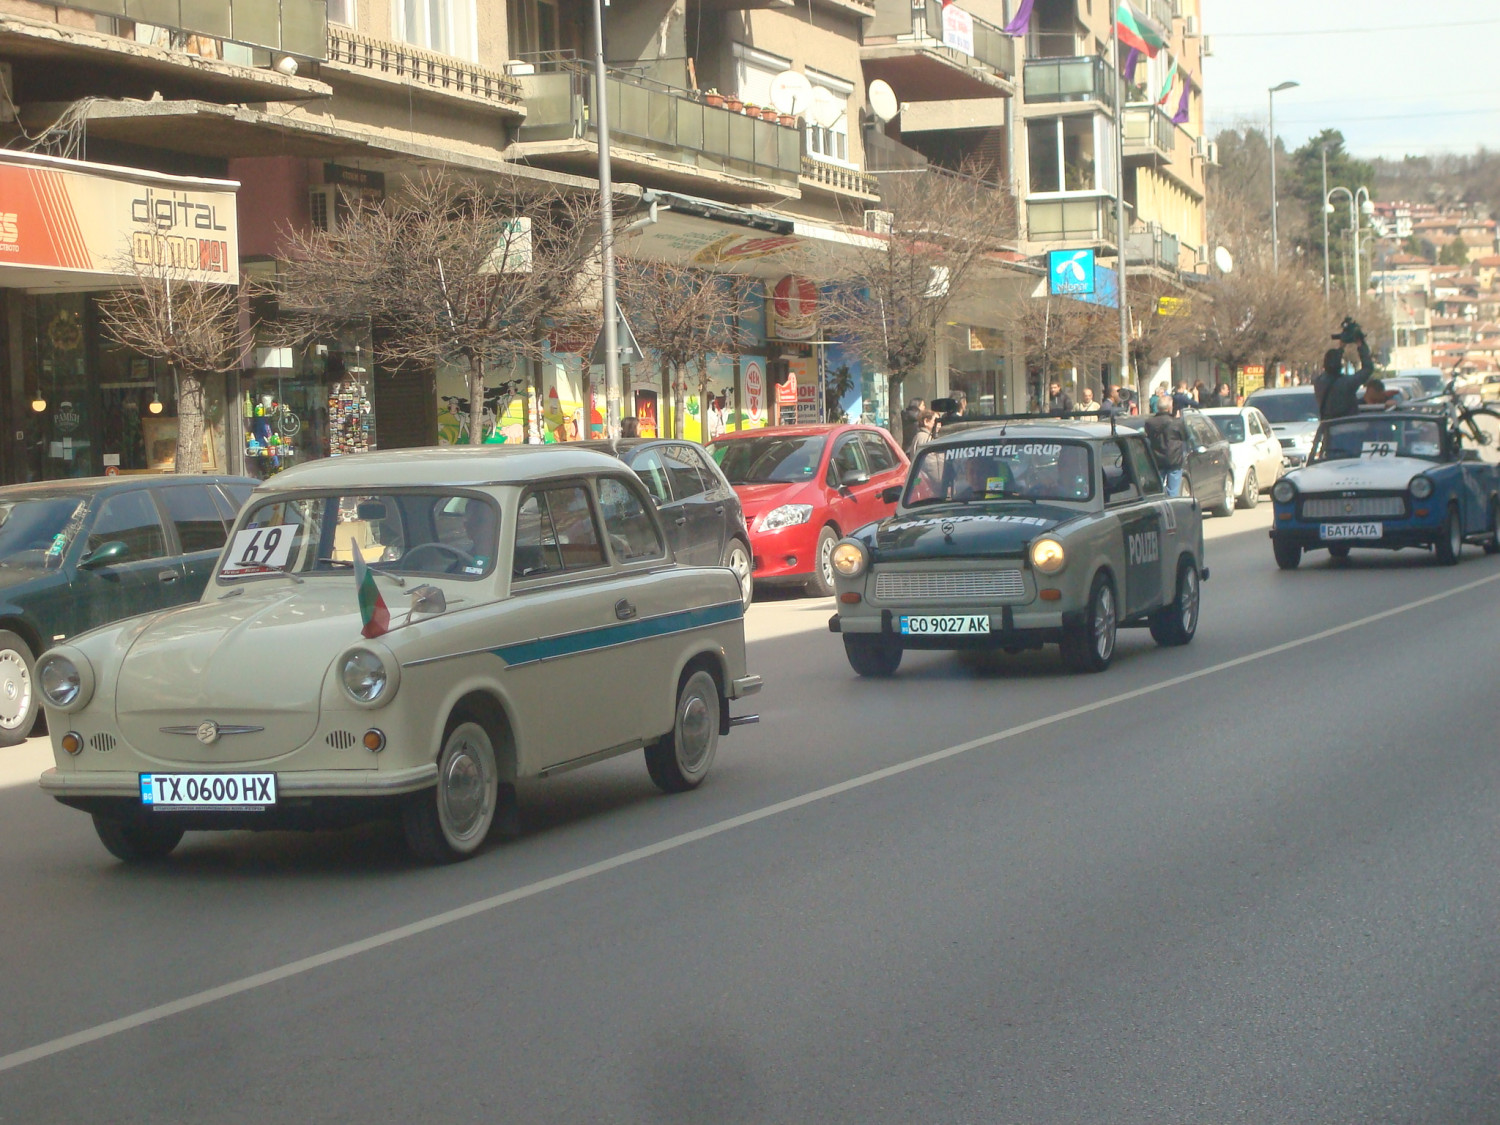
(1213, 153)
(1208, 46)
(1203, 255)
(880, 222)
(1200, 146)
(1191, 31)
(322, 207)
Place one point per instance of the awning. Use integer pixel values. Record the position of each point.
(68, 224)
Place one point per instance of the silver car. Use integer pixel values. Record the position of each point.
(1293, 414)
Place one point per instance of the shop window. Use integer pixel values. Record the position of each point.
(632, 532)
(130, 518)
(195, 517)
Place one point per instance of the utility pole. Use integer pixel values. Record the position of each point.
(610, 327)
(1326, 208)
(1271, 141)
(1120, 225)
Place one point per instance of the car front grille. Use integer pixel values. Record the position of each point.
(944, 585)
(1353, 507)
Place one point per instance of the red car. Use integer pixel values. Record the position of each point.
(805, 487)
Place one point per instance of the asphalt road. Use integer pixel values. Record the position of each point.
(1250, 880)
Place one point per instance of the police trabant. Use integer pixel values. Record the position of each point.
(1016, 534)
(1422, 476)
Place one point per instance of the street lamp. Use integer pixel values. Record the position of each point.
(1271, 101)
(1359, 204)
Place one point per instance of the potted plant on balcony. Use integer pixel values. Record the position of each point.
(768, 113)
(732, 103)
(714, 98)
(752, 110)
(789, 120)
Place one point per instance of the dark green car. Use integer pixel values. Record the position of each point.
(78, 554)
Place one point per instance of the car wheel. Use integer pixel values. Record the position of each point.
(874, 657)
(1288, 555)
(821, 585)
(1491, 542)
(134, 841)
(18, 698)
(737, 559)
(1090, 645)
(1451, 546)
(1176, 622)
(1225, 506)
(1250, 494)
(680, 760)
(451, 820)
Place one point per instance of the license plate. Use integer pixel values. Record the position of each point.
(240, 791)
(1351, 530)
(940, 626)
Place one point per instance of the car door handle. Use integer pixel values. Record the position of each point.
(680, 520)
(719, 508)
(167, 576)
(624, 610)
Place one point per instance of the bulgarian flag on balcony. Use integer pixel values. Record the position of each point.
(1166, 86)
(1138, 30)
(372, 608)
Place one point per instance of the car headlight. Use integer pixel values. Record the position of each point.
(849, 559)
(788, 515)
(1048, 556)
(1284, 492)
(1421, 487)
(66, 680)
(364, 674)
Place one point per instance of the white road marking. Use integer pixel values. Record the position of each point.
(578, 874)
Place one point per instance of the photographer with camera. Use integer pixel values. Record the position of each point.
(1337, 393)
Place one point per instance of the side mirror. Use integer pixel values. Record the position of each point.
(427, 601)
(104, 554)
(890, 495)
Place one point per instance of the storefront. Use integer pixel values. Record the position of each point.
(78, 404)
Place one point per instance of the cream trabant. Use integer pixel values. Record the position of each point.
(1013, 535)
(402, 635)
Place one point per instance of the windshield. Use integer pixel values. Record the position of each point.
(1377, 437)
(1232, 426)
(428, 532)
(998, 470)
(35, 532)
(1430, 384)
(1281, 408)
(764, 460)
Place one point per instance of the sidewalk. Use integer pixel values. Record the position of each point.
(23, 764)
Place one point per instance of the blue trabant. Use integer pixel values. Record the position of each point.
(1417, 477)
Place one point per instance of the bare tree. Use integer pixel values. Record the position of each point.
(684, 316)
(892, 302)
(1062, 333)
(1161, 320)
(168, 314)
(1256, 316)
(451, 270)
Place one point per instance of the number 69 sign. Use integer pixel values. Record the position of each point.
(259, 550)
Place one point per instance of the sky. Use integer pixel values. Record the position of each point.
(1402, 76)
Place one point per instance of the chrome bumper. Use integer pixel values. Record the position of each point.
(312, 783)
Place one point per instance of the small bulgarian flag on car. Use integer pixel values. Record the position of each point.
(372, 608)
(1138, 30)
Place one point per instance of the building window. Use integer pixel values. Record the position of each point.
(1067, 154)
(341, 12)
(830, 142)
(445, 26)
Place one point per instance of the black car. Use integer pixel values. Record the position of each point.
(701, 513)
(1209, 473)
(78, 554)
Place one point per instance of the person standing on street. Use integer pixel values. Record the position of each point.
(1058, 400)
(1337, 393)
(909, 420)
(1088, 405)
(926, 423)
(1167, 436)
(1111, 406)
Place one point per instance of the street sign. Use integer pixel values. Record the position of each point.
(1070, 273)
(1173, 306)
(630, 351)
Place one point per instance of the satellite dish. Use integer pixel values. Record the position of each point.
(1224, 260)
(791, 92)
(827, 107)
(883, 102)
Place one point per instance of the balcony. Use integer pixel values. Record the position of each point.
(664, 136)
(1154, 249)
(1149, 134)
(1054, 81)
(365, 57)
(1084, 219)
(837, 179)
(929, 53)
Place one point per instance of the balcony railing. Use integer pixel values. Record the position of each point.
(663, 119)
(402, 61)
(991, 45)
(1085, 79)
(1153, 248)
(919, 23)
(1086, 219)
(1149, 131)
(838, 178)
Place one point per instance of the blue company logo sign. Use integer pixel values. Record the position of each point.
(1070, 272)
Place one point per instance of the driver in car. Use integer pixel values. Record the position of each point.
(479, 526)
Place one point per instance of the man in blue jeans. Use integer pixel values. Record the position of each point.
(1167, 436)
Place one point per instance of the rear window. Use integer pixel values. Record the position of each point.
(195, 516)
(1281, 408)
